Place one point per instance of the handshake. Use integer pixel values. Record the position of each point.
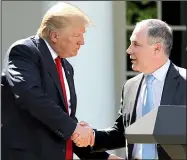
(83, 135)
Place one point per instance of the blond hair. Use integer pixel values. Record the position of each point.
(60, 16)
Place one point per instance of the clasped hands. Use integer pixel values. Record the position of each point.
(83, 135)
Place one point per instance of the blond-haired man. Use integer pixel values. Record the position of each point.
(38, 93)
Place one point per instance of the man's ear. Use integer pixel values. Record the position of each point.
(158, 47)
(53, 36)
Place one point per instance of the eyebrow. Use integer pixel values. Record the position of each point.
(132, 40)
(79, 32)
(135, 41)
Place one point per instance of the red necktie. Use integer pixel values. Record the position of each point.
(69, 152)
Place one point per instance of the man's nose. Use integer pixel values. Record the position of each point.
(128, 50)
(81, 42)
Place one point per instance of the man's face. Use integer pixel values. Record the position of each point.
(69, 40)
(141, 53)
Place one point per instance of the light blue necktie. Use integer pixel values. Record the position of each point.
(148, 150)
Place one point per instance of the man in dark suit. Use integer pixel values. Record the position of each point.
(151, 43)
(38, 94)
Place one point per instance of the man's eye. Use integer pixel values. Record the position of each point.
(77, 35)
(136, 44)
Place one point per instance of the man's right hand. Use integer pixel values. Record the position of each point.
(83, 135)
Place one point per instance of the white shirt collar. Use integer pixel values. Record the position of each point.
(160, 73)
(53, 53)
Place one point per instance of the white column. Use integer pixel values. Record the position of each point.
(119, 15)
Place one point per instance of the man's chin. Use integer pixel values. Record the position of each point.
(73, 54)
(135, 68)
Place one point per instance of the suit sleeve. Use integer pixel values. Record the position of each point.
(23, 75)
(113, 137)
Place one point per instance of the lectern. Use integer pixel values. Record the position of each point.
(165, 125)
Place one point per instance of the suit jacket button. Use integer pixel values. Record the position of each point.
(63, 150)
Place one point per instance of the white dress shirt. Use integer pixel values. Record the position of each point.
(54, 55)
(157, 86)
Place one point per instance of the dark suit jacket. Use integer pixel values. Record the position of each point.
(174, 93)
(35, 124)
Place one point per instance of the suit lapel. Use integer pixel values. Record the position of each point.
(136, 91)
(50, 65)
(170, 85)
(70, 83)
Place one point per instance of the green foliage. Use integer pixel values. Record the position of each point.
(139, 10)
